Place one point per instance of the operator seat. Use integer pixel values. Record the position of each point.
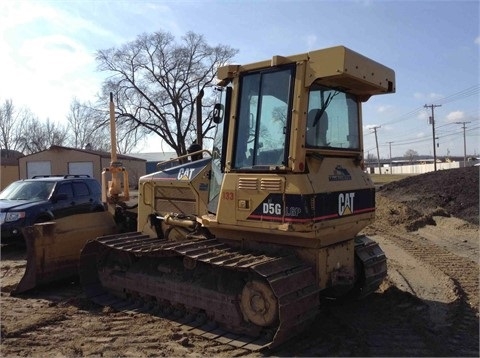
(317, 132)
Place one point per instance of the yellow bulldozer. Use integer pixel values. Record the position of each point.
(247, 237)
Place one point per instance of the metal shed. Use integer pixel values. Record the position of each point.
(8, 167)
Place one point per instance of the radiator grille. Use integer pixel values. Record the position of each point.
(266, 184)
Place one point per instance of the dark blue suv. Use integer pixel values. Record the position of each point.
(44, 198)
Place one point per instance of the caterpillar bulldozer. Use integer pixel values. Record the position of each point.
(245, 239)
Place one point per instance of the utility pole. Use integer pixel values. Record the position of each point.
(464, 143)
(378, 153)
(390, 145)
(432, 122)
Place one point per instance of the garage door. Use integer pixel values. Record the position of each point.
(80, 168)
(38, 168)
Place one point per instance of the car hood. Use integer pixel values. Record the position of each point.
(18, 205)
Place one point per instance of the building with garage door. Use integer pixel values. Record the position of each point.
(59, 160)
(9, 167)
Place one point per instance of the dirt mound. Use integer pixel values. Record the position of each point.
(452, 192)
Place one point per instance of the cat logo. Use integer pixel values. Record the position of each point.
(345, 203)
(185, 174)
(339, 174)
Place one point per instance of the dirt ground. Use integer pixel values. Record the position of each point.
(428, 305)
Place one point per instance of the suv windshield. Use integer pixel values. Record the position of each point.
(27, 190)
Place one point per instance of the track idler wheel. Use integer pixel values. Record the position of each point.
(258, 303)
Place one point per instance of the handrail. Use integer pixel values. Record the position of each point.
(185, 156)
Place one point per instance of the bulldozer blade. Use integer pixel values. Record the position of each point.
(53, 248)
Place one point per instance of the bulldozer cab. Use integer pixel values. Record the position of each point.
(282, 108)
(287, 154)
(273, 115)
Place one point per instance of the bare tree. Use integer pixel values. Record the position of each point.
(156, 81)
(128, 137)
(88, 126)
(411, 155)
(12, 124)
(370, 158)
(22, 131)
(38, 136)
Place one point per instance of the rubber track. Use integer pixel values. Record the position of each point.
(374, 264)
(290, 279)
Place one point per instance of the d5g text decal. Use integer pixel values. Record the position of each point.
(314, 207)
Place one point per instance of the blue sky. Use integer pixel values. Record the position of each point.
(47, 54)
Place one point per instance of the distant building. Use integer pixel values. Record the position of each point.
(417, 165)
(154, 159)
(9, 164)
(58, 160)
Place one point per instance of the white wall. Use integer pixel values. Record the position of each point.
(417, 168)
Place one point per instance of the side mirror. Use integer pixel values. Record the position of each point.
(218, 110)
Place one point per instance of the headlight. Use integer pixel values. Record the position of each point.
(14, 216)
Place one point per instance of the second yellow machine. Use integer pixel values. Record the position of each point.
(252, 234)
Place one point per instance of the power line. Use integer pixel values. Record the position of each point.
(473, 90)
(405, 116)
(470, 133)
(470, 91)
(442, 133)
(425, 139)
(408, 140)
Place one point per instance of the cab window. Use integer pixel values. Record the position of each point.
(263, 119)
(332, 119)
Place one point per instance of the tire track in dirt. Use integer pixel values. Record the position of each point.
(70, 325)
(462, 333)
(389, 322)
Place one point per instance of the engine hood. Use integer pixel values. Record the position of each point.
(18, 205)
